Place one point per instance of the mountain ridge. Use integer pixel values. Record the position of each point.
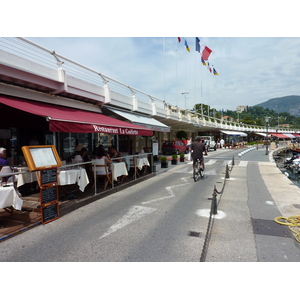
(289, 104)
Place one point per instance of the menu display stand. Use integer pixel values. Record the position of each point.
(46, 160)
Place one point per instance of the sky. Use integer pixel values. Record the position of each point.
(251, 70)
(255, 49)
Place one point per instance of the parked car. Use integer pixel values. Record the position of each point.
(174, 147)
(209, 142)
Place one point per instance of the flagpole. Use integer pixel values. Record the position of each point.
(164, 46)
(195, 77)
(176, 72)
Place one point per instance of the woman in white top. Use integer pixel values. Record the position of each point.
(102, 159)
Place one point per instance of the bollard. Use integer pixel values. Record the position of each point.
(233, 160)
(227, 172)
(214, 204)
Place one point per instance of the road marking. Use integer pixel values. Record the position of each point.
(231, 178)
(211, 172)
(243, 163)
(169, 190)
(137, 212)
(226, 162)
(206, 213)
(210, 162)
(184, 170)
(134, 213)
(270, 202)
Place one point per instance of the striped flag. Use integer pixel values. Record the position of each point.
(198, 44)
(208, 67)
(215, 72)
(187, 46)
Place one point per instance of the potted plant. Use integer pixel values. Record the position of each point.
(181, 157)
(174, 159)
(163, 161)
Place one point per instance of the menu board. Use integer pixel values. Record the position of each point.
(48, 176)
(41, 157)
(50, 213)
(49, 194)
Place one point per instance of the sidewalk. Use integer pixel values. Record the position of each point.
(254, 195)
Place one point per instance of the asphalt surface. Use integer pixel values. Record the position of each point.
(243, 230)
(255, 194)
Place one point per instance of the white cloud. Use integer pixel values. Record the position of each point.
(251, 70)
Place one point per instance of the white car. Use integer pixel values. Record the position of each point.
(209, 142)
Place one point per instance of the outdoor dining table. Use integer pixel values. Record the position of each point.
(27, 177)
(9, 197)
(142, 163)
(118, 169)
(72, 176)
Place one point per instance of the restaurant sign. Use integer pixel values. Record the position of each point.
(63, 126)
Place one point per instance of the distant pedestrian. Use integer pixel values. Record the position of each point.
(189, 142)
(222, 143)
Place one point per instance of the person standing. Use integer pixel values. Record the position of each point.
(3, 155)
(34, 141)
(222, 143)
(189, 143)
(197, 148)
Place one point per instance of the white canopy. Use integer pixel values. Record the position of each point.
(234, 133)
(290, 135)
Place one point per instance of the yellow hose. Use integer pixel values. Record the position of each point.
(293, 221)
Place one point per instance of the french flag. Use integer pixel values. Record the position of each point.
(204, 51)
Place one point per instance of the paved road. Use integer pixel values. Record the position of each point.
(256, 193)
(165, 219)
(160, 219)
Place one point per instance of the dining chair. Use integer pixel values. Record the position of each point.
(134, 167)
(105, 173)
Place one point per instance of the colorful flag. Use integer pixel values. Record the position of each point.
(187, 46)
(179, 39)
(203, 62)
(204, 51)
(208, 67)
(215, 72)
(198, 44)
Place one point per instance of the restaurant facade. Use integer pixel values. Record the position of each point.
(66, 127)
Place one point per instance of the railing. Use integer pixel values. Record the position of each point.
(126, 160)
(78, 165)
(48, 58)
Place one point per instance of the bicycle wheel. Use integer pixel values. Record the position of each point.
(196, 174)
(201, 171)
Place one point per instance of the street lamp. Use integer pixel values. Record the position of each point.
(185, 96)
(267, 119)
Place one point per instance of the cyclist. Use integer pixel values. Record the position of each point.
(197, 148)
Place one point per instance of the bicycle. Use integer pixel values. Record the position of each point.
(197, 171)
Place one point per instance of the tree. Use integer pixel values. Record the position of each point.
(248, 120)
(181, 135)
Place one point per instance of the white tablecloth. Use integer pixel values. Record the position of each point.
(25, 177)
(9, 197)
(73, 176)
(140, 162)
(118, 169)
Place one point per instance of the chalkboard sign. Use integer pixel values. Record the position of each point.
(50, 213)
(48, 194)
(48, 176)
